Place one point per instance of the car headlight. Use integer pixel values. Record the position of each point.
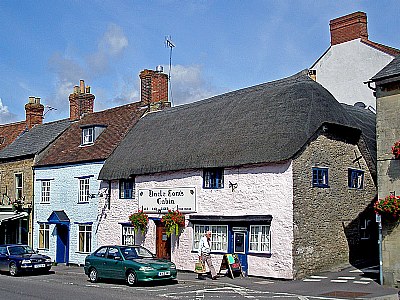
(48, 260)
(26, 261)
(173, 267)
(146, 268)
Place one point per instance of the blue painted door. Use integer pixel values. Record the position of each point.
(62, 255)
(240, 248)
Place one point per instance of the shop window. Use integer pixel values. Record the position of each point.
(355, 179)
(320, 177)
(213, 178)
(260, 239)
(128, 235)
(126, 188)
(44, 236)
(219, 237)
(85, 238)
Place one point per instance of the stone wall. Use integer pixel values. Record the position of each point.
(388, 132)
(327, 220)
(7, 187)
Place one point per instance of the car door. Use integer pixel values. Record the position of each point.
(113, 264)
(3, 259)
(97, 261)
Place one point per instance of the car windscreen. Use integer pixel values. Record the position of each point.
(20, 250)
(135, 252)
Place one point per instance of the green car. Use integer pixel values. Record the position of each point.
(132, 263)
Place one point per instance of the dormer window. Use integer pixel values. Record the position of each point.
(87, 136)
(91, 133)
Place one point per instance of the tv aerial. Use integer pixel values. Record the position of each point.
(169, 44)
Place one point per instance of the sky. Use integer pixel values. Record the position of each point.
(47, 47)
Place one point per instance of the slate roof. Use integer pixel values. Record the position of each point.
(34, 140)
(67, 148)
(390, 70)
(9, 132)
(269, 122)
(364, 120)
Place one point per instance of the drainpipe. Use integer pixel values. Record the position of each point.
(379, 221)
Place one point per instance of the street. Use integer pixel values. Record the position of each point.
(71, 283)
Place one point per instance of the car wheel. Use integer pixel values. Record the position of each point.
(13, 269)
(93, 275)
(131, 278)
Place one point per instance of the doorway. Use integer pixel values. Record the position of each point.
(62, 255)
(163, 242)
(240, 248)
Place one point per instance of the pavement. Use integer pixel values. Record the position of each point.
(346, 283)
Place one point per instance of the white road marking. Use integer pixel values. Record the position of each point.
(318, 277)
(311, 280)
(346, 277)
(339, 280)
(361, 282)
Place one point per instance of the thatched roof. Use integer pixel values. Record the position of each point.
(269, 122)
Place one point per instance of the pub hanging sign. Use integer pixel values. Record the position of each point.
(160, 200)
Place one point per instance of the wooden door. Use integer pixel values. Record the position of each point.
(163, 242)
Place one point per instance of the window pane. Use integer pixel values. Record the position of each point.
(260, 238)
(213, 178)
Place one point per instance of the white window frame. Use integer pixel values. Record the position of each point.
(84, 188)
(219, 237)
(45, 191)
(44, 236)
(260, 239)
(128, 235)
(84, 238)
(364, 229)
(19, 186)
(87, 136)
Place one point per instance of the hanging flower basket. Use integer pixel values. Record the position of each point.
(139, 221)
(173, 220)
(396, 150)
(389, 207)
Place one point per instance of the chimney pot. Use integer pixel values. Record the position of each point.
(31, 99)
(82, 86)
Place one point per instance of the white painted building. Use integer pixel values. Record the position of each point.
(65, 211)
(351, 60)
(257, 163)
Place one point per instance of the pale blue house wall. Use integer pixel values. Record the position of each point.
(64, 195)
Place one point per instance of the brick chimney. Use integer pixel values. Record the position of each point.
(349, 27)
(33, 112)
(81, 101)
(154, 88)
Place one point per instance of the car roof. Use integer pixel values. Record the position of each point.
(8, 245)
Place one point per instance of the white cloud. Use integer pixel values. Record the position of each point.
(114, 40)
(5, 115)
(188, 84)
(112, 44)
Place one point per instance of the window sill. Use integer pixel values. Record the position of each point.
(83, 202)
(321, 186)
(80, 252)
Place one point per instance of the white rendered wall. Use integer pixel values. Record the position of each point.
(64, 193)
(261, 190)
(344, 68)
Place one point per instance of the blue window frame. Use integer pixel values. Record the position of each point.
(213, 178)
(356, 179)
(126, 188)
(320, 177)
